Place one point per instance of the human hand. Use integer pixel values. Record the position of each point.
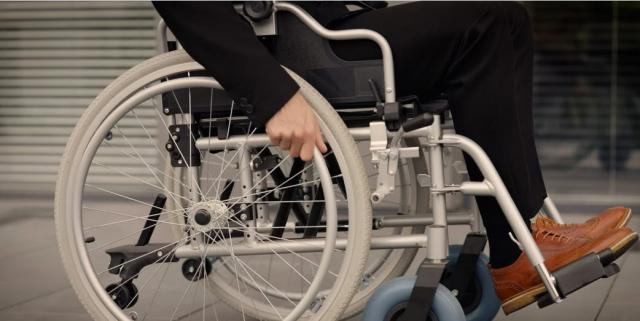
(295, 128)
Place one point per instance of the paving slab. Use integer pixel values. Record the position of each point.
(35, 286)
(42, 316)
(623, 300)
(31, 276)
(25, 229)
(60, 302)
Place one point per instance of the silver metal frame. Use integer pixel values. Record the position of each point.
(434, 140)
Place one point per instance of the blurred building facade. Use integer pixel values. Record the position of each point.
(587, 99)
(55, 57)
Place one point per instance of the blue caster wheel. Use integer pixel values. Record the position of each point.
(480, 302)
(387, 303)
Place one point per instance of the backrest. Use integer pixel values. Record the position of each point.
(343, 83)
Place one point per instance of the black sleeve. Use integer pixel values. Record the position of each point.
(224, 43)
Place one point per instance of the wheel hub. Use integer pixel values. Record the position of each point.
(202, 217)
(209, 215)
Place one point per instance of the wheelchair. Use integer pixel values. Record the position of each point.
(170, 203)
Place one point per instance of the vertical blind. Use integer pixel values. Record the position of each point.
(587, 98)
(55, 57)
(587, 83)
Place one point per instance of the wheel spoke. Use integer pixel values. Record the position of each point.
(132, 217)
(121, 172)
(159, 181)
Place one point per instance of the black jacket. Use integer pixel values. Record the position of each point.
(224, 43)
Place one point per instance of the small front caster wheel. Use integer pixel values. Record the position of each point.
(389, 301)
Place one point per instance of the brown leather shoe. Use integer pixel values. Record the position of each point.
(611, 219)
(518, 284)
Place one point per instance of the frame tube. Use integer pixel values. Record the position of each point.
(161, 37)
(299, 246)
(509, 208)
(551, 210)
(259, 140)
(397, 221)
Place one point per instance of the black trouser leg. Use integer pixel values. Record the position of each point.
(480, 54)
(490, 88)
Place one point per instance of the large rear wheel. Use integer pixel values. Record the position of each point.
(219, 247)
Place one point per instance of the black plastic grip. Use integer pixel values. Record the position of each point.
(420, 121)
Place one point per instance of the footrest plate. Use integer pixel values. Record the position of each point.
(581, 273)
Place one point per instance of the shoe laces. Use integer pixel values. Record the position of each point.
(547, 222)
(554, 237)
(544, 235)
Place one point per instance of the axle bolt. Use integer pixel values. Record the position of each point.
(202, 217)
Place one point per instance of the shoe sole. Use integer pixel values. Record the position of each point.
(531, 295)
(625, 220)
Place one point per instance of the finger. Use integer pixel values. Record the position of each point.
(320, 143)
(306, 153)
(285, 143)
(274, 137)
(296, 145)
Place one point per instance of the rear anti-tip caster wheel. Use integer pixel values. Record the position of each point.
(194, 270)
(125, 295)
